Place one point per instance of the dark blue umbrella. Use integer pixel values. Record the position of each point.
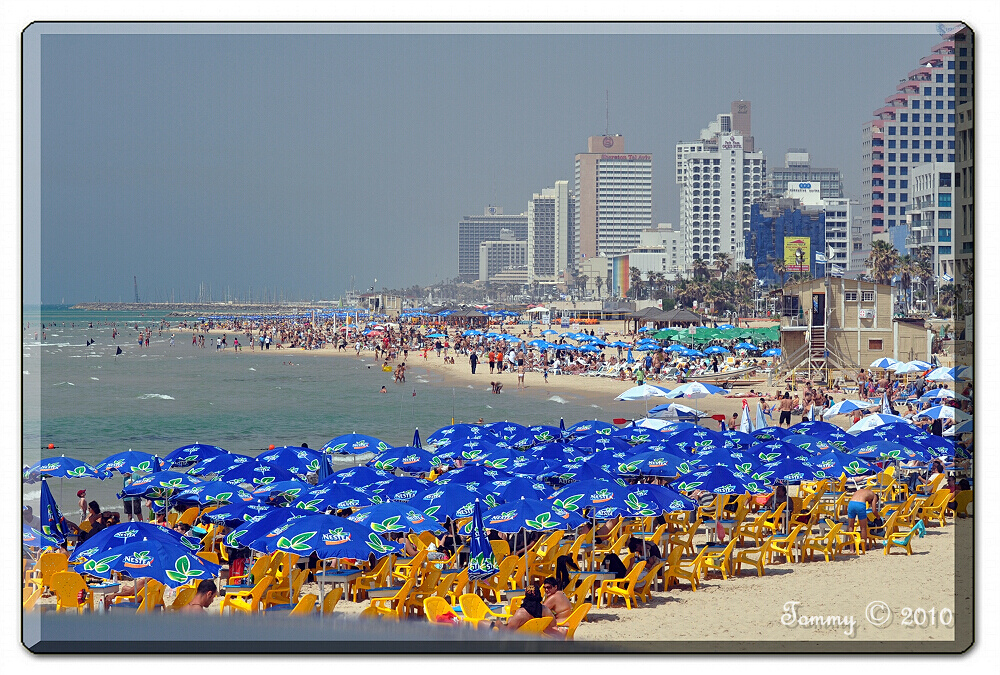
(282, 492)
(254, 534)
(416, 438)
(482, 560)
(656, 464)
(537, 468)
(811, 444)
(398, 489)
(474, 476)
(770, 433)
(53, 525)
(129, 461)
(361, 476)
(395, 517)
(740, 438)
(817, 428)
(834, 463)
(599, 442)
(652, 500)
(355, 444)
(560, 452)
(882, 450)
(604, 499)
(583, 471)
(842, 440)
(591, 427)
(448, 500)
(512, 489)
(189, 454)
(774, 450)
(636, 435)
(293, 458)
(695, 440)
(785, 471)
(32, 538)
(458, 433)
(545, 433)
(470, 449)
(168, 563)
(719, 480)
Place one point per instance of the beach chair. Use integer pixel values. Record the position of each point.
(644, 587)
(287, 593)
(936, 481)
(717, 557)
(936, 508)
(501, 549)
(474, 609)
(437, 610)
(393, 607)
(621, 588)
(772, 523)
(183, 597)
(152, 597)
(574, 620)
(28, 603)
(784, 544)
(417, 542)
(331, 599)
(685, 538)
(67, 586)
(903, 539)
(378, 577)
(825, 544)
(755, 556)
(414, 603)
(406, 569)
(516, 577)
(48, 564)
(499, 582)
(257, 571)
(210, 556)
(750, 528)
(189, 516)
(582, 589)
(305, 606)
(246, 601)
(681, 568)
(963, 500)
(535, 626)
(457, 586)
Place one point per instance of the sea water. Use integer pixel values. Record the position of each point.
(90, 403)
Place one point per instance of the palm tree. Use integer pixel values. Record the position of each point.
(722, 263)
(745, 283)
(581, 282)
(599, 280)
(699, 269)
(779, 271)
(882, 262)
(635, 281)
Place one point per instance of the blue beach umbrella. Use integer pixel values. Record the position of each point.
(816, 428)
(883, 363)
(62, 467)
(331, 495)
(293, 458)
(129, 461)
(872, 421)
(774, 351)
(237, 514)
(127, 533)
(835, 463)
(328, 537)
(560, 452)
(719, 480)
(532, 515)
(512, 489)
(32, 538)
(169, 563)
(784, 471)
(695, 440)
(605, 499)
(360, 477)
(189, 454)
(747, 346)
(398, 489)
(652, 500)
(395, 517)
(739, 438)
(450, 500)
(545, 433)
(770, 433)
(882, 450)
(474, 476)
(584, 471)
(715, 349)
(159, 485)
(256, 473)
(635, 435)
(811, 444)
(53, 524)
(599, 443)
(255, 533)
(587, 427)
(212, 493)
(410, 459)
(655, 464)
(416, 438)
(355, 444)
(219, 464)
(772, 451)
(482, 559)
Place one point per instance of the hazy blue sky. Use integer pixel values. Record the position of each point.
(293, 162)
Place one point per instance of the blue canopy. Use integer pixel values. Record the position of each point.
(529, 514)
(785, 471)
(327, 537)
(170, 563)
(129, 461)
(719, 480)
(159, 485)
(652, 500)
(603, 498)
(188, 454)
(212, 493)
(355, 444)
(53, 524)
(834, 464)
(449, 500)
(256, 473)
(237, 514)
(125, 533)
(412, 460)
(395, 517)
(62, 467)
(293, 458)
(219, 464)
(331, 496)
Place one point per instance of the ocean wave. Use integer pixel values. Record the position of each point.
(594, 405)
(94, 378)
(163, 396)
(57, 384)
(558, 399)
(422, 380)
(254, 369)
(490, 407)
(471, 387)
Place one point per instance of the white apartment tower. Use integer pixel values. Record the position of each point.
(551, 240)
(720, 177)
(614, 196)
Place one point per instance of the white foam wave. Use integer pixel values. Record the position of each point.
(557, 399)
(422, 380)
(163, 396)
(594, 405)
(254, 369)
(26, 372)
(94, 378)
(490, 407)
(471, 387)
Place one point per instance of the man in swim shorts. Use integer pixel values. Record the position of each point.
(858, 508)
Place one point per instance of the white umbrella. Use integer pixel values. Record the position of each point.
(675, 411)
(872, 421)
(642, 393)
(650, 423)
(945, 412)
(911, 367)
(883, 363)
(943, 374)
(932, 394)
(847, 406)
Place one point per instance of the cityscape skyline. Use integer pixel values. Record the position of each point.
(185, 160)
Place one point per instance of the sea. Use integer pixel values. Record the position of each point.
(89, 403)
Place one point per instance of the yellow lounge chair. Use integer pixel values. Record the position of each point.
(573, 621)
(621, 588)
(536, 626)
(246, 601)
(393, 607)
(331, 599)
(825, 544)
(306, 605)
(67, 587)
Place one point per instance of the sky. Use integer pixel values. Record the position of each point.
(262, 166)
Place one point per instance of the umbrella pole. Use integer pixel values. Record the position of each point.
(322, 578)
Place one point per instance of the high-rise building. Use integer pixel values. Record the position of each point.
(915, 125)
(931, 216)
(797, 170)
(965, 174)
(775, 225)
(504, 255)
(720, 177)
(614, 194)
(551, 241)
(474, 230)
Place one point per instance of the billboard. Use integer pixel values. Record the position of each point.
(807, 192)
(730, 142)
(797, 254)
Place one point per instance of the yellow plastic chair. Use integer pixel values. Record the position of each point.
(152, 597)
(621, 588)
(963, 499)
(574, 620)
(288, 593)
(535, 626)
(393, 607)
(210, 556)
(685, 538)
(825, 544)
(935, 484)
(688, 569)
(501, 549)
(427, 587)
(936, 509)
(436, 609)
(247, 602)
(752, 556)
(305, 606)
(457, 587)
(48, 564)
(784, 544)
(499, 581)
(331, 599)
(183, 597)
(582, 590)
(86, 525)
(257, 570)
(67, 587)
(403, 570)
(378, 577)
(189, 516)
(900, 539)
(474, 609)
(718, 558)
(28, 603)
